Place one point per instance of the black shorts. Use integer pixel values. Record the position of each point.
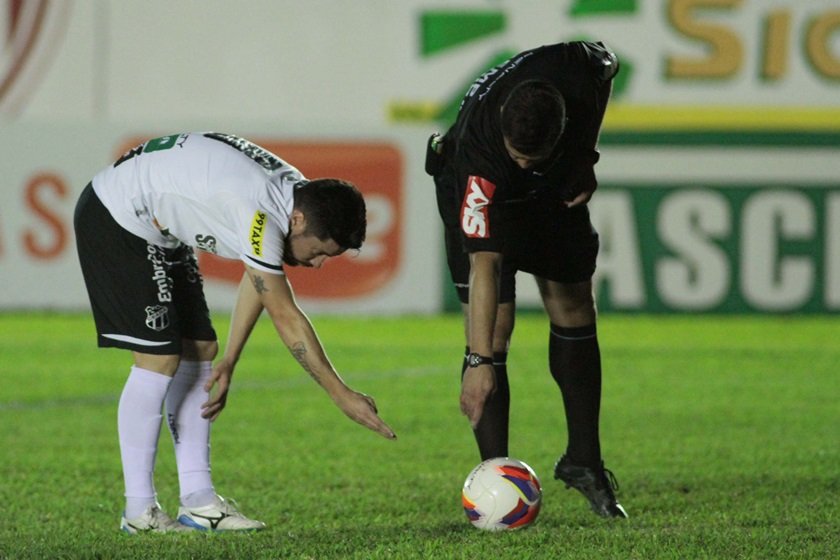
(542, 237)
(144, 297)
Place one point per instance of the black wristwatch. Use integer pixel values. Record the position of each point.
(474, 359)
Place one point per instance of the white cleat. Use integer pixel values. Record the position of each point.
(153, 520)
(219, 516)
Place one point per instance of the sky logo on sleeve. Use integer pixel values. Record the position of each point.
(474, 217)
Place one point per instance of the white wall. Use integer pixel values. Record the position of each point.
(80, 77)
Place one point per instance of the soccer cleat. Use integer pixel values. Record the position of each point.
(598, 485)
(153, 520)
(219, 516)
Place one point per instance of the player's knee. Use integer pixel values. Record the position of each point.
(580, 300)
(577, 312)
(572, 308)
(165, 364)
(200, 350)
(207, 350)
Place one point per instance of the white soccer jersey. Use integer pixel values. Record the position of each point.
(216, 192)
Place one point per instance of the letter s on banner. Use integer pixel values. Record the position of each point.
(51, 225)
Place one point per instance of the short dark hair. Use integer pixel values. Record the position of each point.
(533, 117)
(334, 209)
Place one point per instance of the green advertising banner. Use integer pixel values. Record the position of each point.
(719, 223)
(719, 248)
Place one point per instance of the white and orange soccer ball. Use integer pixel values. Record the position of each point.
(501, 494)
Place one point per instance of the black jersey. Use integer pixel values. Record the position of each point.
(487, 178)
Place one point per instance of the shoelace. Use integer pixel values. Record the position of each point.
(159, 519)
(229, 506)
(611, 479)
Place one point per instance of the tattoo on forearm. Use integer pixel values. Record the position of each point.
(259, 284)
(298, 350)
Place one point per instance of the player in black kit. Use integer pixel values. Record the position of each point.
(513, 176)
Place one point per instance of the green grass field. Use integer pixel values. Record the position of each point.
(723, 432)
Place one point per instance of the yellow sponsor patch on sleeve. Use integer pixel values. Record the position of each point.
(257, 233)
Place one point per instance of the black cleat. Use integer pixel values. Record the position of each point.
(598, 485)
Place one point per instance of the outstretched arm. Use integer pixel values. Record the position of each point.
(298, 334)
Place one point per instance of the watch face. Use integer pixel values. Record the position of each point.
(475, 360)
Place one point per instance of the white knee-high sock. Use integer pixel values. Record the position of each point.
(190, 432)
(138, 423)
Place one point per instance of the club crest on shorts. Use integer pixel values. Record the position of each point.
(157, 317)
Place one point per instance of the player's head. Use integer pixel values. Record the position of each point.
(533, 117)
(329, 217)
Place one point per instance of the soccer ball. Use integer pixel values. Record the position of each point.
(502, 493)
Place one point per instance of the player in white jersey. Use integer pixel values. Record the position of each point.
(136, 226)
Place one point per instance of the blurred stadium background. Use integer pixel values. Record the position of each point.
(720, 171)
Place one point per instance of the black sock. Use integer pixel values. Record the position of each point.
(491, 434)
(575, 362)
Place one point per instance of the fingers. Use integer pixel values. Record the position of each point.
(579, 199)
(375, 422)
(211, 409)
(384, 429)
(212, 381)
(476, 387)
(214, 406)
(212, 401)
(372, 403)
(368, 417)
(472, 408)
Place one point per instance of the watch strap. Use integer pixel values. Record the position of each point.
(474, 359)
